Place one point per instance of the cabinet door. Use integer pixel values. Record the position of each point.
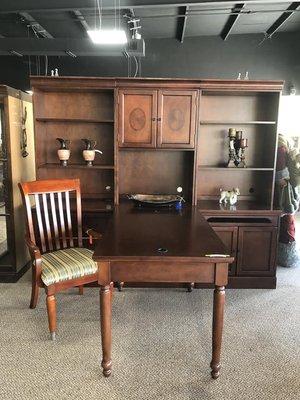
(177, 118)
(228, 235)
(137, 118)
(257, 251)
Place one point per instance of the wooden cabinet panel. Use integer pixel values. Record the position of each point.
(176, 118)
(137, 118)
(229, 235)
(257, 251)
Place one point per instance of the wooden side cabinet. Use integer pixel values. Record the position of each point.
(257, 251)
(137, 118)
(229, 235)
(176, 118)
(157, 118)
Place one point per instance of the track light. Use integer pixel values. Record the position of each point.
(69, 53)
(15, 53)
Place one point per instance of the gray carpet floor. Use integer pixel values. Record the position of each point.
(161, 345)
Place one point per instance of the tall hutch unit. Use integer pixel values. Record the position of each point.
(17, 163)
(159, 134)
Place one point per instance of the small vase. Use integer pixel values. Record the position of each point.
(63, 155)
(89, 156)
(64, 151)
(90, 151)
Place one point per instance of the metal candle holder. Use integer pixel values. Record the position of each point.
(237, 147)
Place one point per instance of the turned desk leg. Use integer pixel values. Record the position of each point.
(105, 316)
(218, 317)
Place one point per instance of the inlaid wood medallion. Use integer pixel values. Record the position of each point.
(137, 119)
(176, 119)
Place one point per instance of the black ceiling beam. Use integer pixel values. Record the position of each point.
(181, 23)
(283, 18)
(80, 18)
(37, 27)
(8, 6)
(232, 19)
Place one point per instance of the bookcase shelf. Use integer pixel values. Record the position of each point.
(206, 167)
(74, 120)
(77, 166)
(238, 123)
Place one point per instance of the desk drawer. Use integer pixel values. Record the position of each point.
(150, 271)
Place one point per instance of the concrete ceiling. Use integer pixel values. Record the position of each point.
(54, 26)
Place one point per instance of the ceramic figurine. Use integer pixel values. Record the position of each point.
(231, 196)
(64, 151)
(90, 151)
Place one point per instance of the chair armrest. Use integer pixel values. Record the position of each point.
(33, 249)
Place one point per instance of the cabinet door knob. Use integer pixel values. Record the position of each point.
(153, 119)
(159, 119)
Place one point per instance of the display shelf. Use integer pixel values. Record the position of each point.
(234, 169)
(242, 206)
(74, 120)
(76, 166)
(238, 122)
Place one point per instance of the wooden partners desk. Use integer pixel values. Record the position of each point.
(160, 246)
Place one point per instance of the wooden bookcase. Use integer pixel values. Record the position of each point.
(158, 134)
(74, 115)
(254, 113)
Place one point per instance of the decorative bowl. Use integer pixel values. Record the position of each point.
(155, 200)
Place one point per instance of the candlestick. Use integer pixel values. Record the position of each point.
(239, 135)
(244, 143)
(237, 146)
(231, 133)
(242, 163)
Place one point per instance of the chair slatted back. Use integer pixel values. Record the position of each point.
(48, 212)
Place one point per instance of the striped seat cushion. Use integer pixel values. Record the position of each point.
(62, 265)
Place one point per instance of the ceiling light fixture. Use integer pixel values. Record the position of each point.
(69, 53)
(107, 36)
(15, 53)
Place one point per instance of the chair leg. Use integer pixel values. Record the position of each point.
(191, 286)
(80, 289)
(111, 288)
(51, 309)
(34, 293)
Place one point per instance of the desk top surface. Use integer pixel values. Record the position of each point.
(135, 233)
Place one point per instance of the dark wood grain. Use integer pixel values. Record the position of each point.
(51, 309)
(137, 118)
(228, 235)
(218, 316)
(105, 316)
(257, 251)
(176, 118)
(139, 233)
(132, 251)
(186, 125)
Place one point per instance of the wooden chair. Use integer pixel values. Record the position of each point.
(59, 260)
